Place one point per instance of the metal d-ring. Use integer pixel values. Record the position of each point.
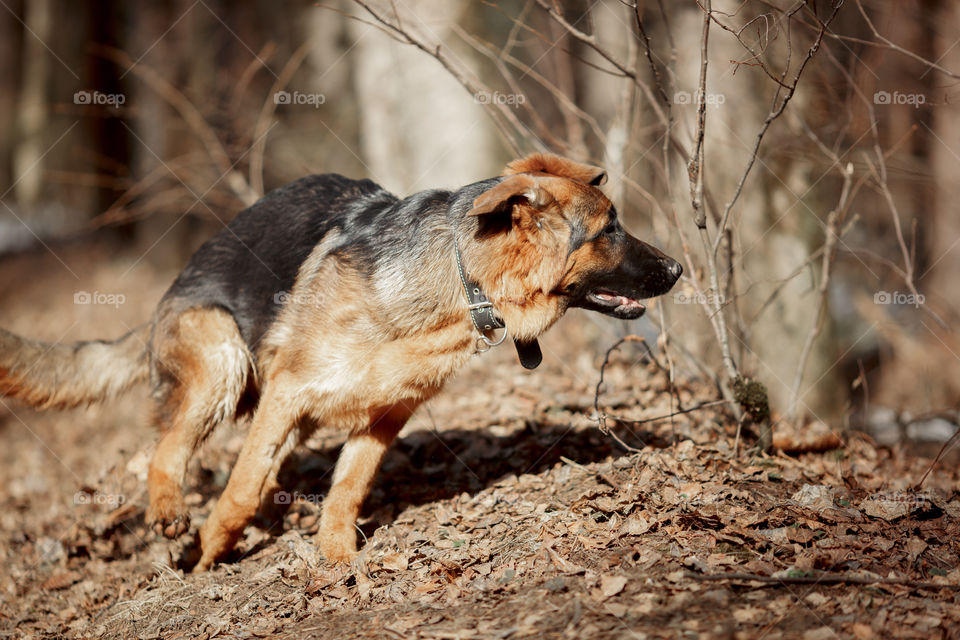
(484, 343)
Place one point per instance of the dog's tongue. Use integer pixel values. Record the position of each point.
(621, 301)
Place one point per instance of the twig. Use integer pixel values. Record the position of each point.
(602, 416)
(647, 52)
(192, 117)
(880, 174)
(783, 282)
(591, 41)
(259, 62)
(775, 113)
(563, 100)
(695, 166)
(895, 47)
(262, 125)
(936, 460)
(823, 578)
(473, 86)
(830, 242)
(600, 474)
(672, 414)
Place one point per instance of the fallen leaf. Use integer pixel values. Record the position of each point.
(914, 547)
(886, 509)
(564, 565)
(395, 561)
(862, 631)
(61, 580)
(814, 496)
(612, 585)
(635, 525)
(812, 437)
(748, 614)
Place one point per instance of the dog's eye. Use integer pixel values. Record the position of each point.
(611, 228)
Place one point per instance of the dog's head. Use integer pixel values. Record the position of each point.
(556, 238)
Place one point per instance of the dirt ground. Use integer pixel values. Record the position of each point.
(503, 511)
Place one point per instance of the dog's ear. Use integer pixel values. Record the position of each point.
(557, 166)
(513, 190)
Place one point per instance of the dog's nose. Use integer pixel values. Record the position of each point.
(674, 268)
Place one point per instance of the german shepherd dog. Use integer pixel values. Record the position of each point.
(331, 301)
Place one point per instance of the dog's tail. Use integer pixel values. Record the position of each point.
(60, 376)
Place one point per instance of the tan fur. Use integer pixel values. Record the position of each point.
(520, 269)
(60, 376)
(208, 362)
(557, 166)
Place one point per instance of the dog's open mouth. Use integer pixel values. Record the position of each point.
(616, 303)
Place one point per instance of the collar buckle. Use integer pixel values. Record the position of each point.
(485, 320)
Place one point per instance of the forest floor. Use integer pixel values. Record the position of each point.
(502, 511)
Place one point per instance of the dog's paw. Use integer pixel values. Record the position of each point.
(338, 548)
(168, 518)
(172, 528)
(204, 564)
(344, 556)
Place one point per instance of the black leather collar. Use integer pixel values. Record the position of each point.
(481, 309)
(485, 319)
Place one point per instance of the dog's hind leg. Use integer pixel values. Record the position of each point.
(271, 491)
(271, 436)
(204, 365)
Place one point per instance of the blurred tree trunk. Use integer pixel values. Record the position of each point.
(32, 109)
(107, 131)
(173, 40)
(611, 99)
(11, 36)
(943, 240)
(397, 84)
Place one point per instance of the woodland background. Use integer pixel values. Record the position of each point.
(197, 133)
(801, 160)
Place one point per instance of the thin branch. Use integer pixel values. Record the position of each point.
(473, 86)
(895, 47)
(695, 170)
(695, 167)
(822, 578)
(262, 125)
(773, 115)
(936, 460)
(591, 41)
(830, 242)
(193, 118)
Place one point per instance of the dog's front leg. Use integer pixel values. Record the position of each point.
(352, 479)
(275, 418)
